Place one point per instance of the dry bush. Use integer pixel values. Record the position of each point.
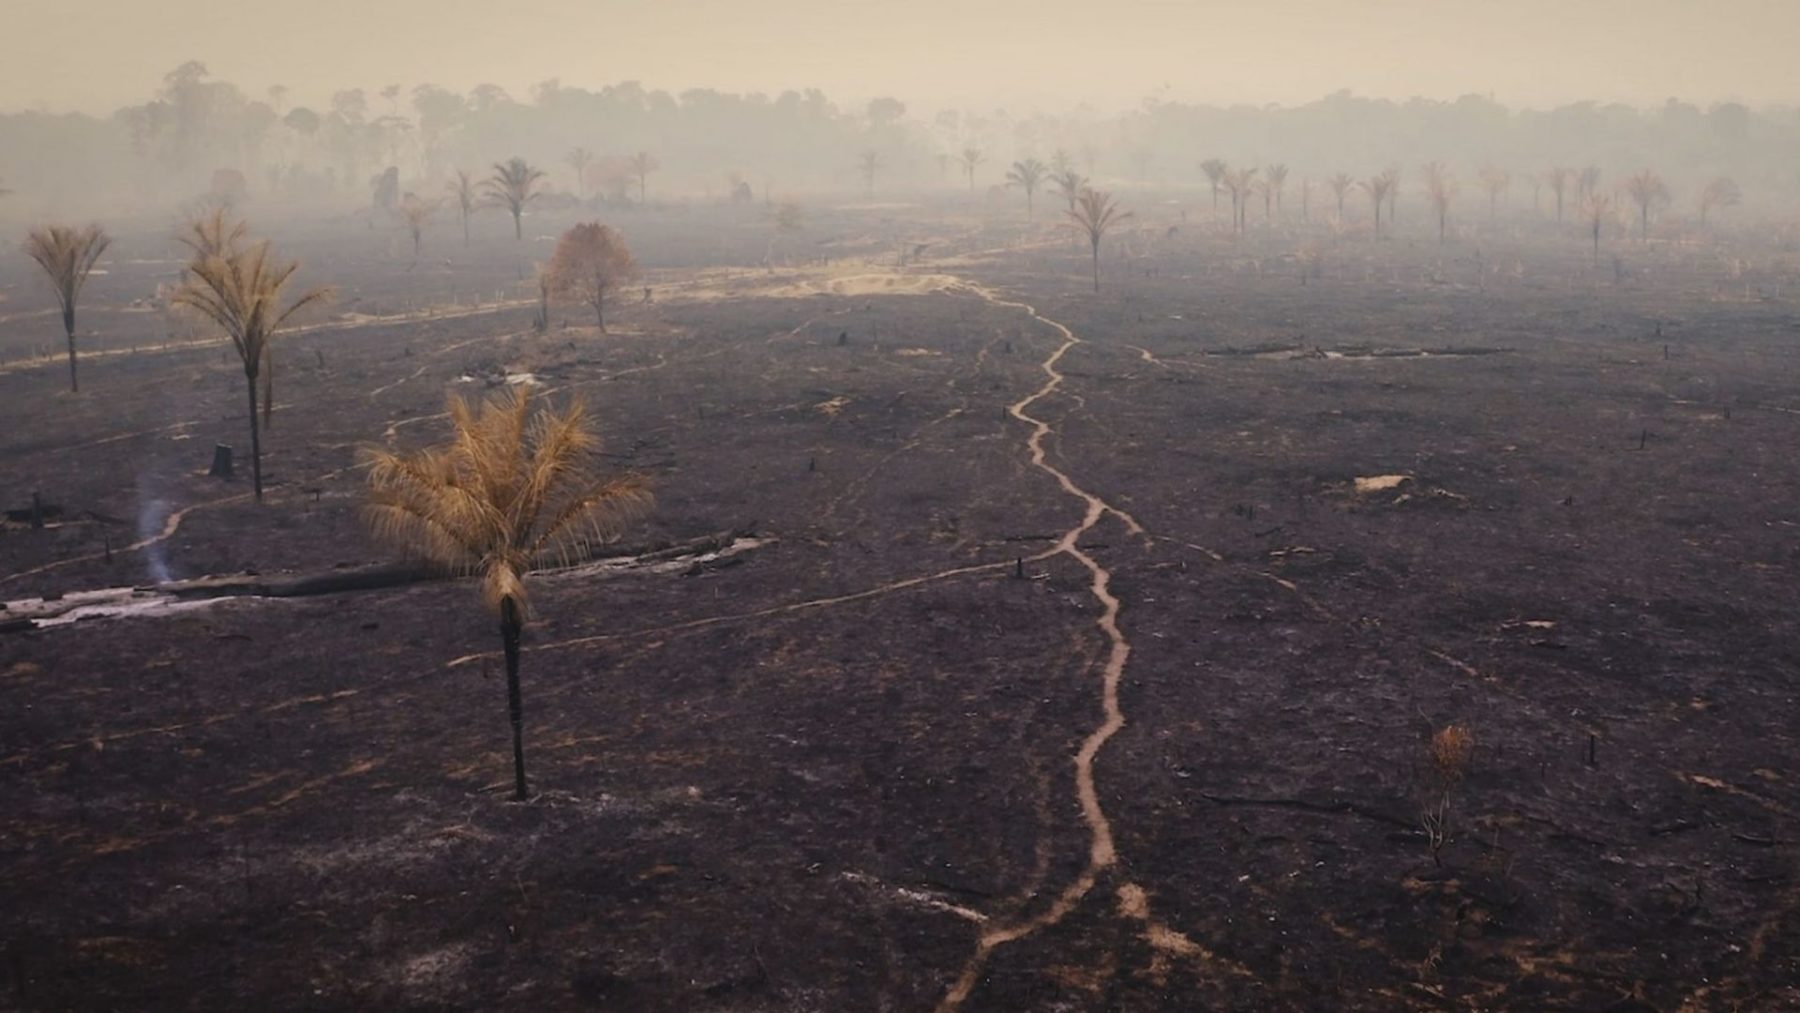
(1448, 755)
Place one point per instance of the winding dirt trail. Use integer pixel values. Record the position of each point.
(1103, 854)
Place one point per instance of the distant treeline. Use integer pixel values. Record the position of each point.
(196, 131)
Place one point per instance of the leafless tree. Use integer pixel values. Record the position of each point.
(1722, 192)
(1647, 190)
(1277, 176)
(1496, 181)
(417, 213)
(1596, 208)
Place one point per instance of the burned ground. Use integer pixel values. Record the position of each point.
(817, 774)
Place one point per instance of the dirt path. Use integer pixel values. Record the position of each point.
(1134, 902)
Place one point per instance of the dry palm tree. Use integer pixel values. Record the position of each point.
(1069, 183)
(68, 256)
(239, 288)
(515, 490)
(1096, 212)
(1646, 190)
(1027, 175)
(1340, 183)
(417, 213)
(1557, 179)
(463, 189)
(642, 165)
(1277, 176)
(1379, 187)
(1495, 181)
(1596, 208)
(869, 163)
(1239, 183)
(1440, 186)
(512, 186)
(970, 158)
(579, 159)
(1722, 192)
(1215, 169)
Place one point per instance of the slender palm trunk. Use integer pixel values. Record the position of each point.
(465, 227)
(1096, 245)
(69, 329)
(255, 438)
(1596, 243)
(1377, 219)
(511, 625)
(518, 223)
(1644, 223)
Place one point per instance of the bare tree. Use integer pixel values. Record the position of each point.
(590, 263)
(1587, 181)
(1340, 183)
(1393, 174)
(1266, 190)
(1027, 175)
(971, 157)
(1440, 186)
(870, 163)
(1558, 179)
(239, 288)
(512, 186)
(1596, 208)
(1096, 212)
(1496, 181)
(1646, 190)
(1215, 169)
(1722, 192)
(417, 213)
(579, 159)
(68, 256)
(462, 188)
(643, 164)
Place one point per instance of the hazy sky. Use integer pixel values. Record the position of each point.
(99, 54)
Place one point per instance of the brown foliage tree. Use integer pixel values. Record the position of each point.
(590, 263)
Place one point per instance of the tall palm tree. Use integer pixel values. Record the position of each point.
(1096, 212)
(1069, 183)
(463, 189)
(1215, 170)
(1240, 183)
(68, 256)
(1379, 187)
(642, 165)
(970, 158)
(239, 288)
(1440, 186)
(515, 490)
(579, 159)
(1027, 175)
(869, 163)
(1558, 178)
(1277, 176)
(512, 186)
(1340, 183)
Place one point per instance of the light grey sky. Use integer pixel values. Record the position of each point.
(99, 54)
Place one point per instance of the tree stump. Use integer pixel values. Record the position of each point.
(221, 463)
